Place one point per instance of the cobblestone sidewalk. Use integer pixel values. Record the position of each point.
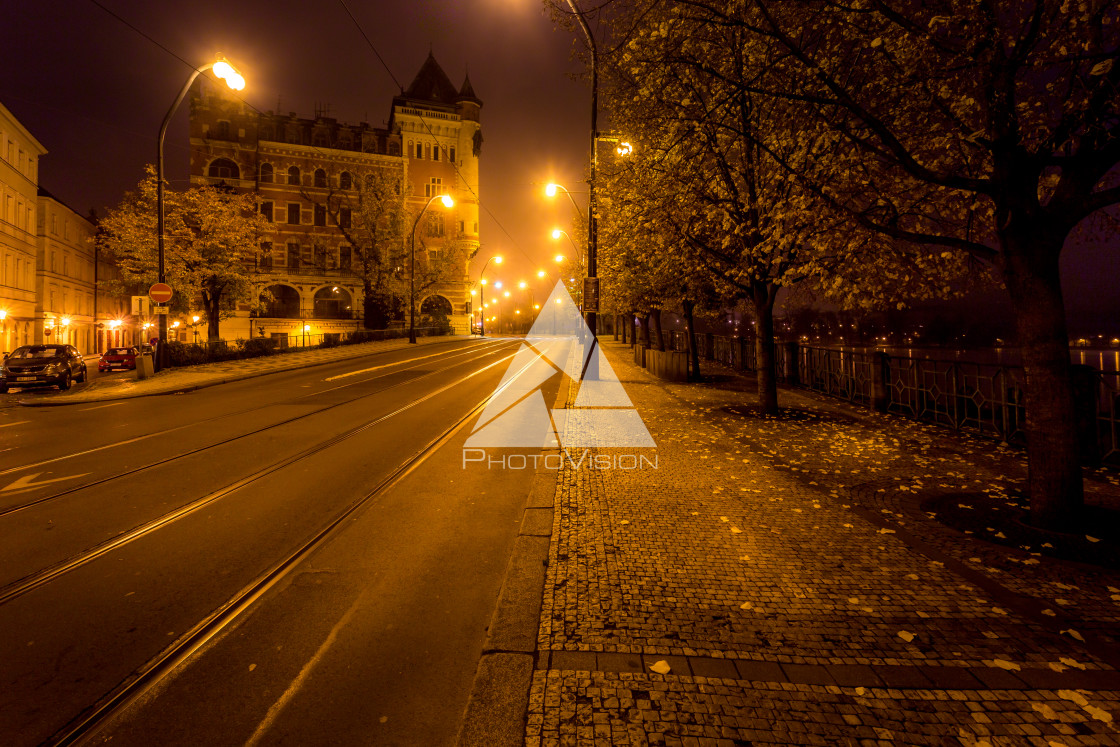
(209, 374)
(785, 582)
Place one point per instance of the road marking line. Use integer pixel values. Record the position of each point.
(27, 482)
(385, 365)
(301, 678)
(18, 422)
(98, 407)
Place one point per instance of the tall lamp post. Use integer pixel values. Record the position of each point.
(233, 79)
(448, 203)
(482, 294)
(592, 227)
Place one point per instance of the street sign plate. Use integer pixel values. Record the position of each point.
(591, 295)
(160, 292)
(159, 309)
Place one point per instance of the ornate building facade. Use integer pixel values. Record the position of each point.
(19, 194)
(299, 168)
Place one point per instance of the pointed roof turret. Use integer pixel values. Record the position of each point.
(431, 84)
(466, 93)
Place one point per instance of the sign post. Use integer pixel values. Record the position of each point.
(161, 293)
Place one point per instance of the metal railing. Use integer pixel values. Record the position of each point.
(986, 399)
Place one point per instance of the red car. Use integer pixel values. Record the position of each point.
(122, 358)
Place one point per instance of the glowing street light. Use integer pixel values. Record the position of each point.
(496, 259)
(552, 188)
(223, 70)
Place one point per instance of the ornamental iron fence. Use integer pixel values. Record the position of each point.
(985, 399)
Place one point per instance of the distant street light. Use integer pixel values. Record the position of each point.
(448, 203)
(481, 296)
(222, 69)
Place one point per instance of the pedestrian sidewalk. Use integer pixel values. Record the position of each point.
(796, 581)
(211, 374)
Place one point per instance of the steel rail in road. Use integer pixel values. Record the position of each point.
(148, 677)
(485, 350)
(18, 588)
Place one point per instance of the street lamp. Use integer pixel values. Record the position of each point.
(552, 188)
(222, 69)
(556, 234)
(481, 294)
(448, 203)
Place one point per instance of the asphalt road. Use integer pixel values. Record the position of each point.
(127, 524)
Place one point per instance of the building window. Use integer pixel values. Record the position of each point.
(223, 168)
(419, 150)
(293, 255)
(266, 255)
(451, 155)
(435, 224)
(345, 255)
(394, 149)
(266, 211)
(320, 178)
(344, 181)
(320, 215)
(266, 173)
(293, 175)
(222, 130)
(344, 217)
(435, 152)
(293, 213)
(434, 187)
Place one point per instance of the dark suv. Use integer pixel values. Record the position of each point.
(42, 365)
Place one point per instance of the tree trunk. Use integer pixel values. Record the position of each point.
(762, 299)
(693, 353)
(1030, 270)
(658, 335)
(212, 302)
(643, 321)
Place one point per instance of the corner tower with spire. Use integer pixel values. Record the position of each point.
(441, 135)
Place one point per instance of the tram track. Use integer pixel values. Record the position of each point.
(149, 677)
(490, 349)
(43, 576)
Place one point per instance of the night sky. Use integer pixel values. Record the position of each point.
(94, 91)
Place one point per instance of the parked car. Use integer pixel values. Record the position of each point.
(122, 358)
(42, 365)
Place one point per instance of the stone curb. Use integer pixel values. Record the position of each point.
(190, 387)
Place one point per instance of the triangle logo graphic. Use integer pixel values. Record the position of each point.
(559, 344)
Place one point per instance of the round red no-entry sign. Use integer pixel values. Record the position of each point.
(160, 292)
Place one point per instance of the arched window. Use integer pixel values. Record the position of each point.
(293, 175)
(435, 152)
(223, 168)
(320, 178)
(280, 302)
(344, 181)
(333, 302)
(266, 173)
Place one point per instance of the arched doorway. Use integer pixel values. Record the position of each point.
(333, 302)
(280, 302)
(435, 311)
